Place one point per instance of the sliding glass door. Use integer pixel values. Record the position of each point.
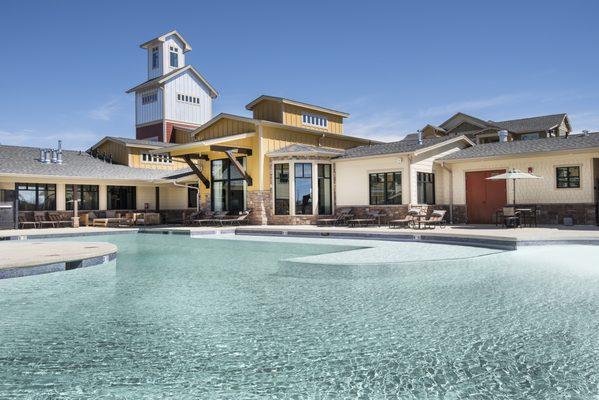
(228, 186)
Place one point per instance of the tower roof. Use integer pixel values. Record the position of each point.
(162, 38)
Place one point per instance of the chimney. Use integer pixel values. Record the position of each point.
(59, 153)
(46, 159)
(42, 155)
(502, 135)
(419, 136)
(54, 156)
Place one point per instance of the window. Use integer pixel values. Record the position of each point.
(174, 57)
(121, 198)
(426, 188)
(154, 57)
(149, 98)
(385, 188)
(325, 189)
(567, 177)
(36, 196)
(529, 136)
(314, 120)
(88, 196)
(192, 195)
(303, 189)
(157, 158)
(281, 186)
(228, 186)
(188, 99)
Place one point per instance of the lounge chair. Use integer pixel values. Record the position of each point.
(409, 220)
(41, 221)
(211, 218)
(372, 217)
(343, 215)
(238, 220)
(437, 218)
(23, 222)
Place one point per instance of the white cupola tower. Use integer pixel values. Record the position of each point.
(175, 97)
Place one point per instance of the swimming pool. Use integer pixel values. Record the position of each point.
(177, 317)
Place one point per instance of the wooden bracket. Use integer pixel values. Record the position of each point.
(196, 170)
(239, 167)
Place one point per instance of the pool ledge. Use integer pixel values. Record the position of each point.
(24, 258)
(495, 242)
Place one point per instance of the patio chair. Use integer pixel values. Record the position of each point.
(23, 222)
(511, 218)
(59, 219)
(111, 218)
(437, 218)
(372, 217)
(240, 219)
(41, 221)
(343, 215)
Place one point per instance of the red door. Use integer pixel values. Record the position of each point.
(484, 197)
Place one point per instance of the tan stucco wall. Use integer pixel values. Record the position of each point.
(533, 191)
(352, 181)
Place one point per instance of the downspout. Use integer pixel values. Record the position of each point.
(450, 191)
(191, 187)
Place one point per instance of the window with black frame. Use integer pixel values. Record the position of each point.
(385, 188)
(303, 188)
(121, 197)
(88, 196)
(192, 195)
(228, 186)
(281, 189)
(426, 187)
(567, 177)
(36, 196)
(325, 189)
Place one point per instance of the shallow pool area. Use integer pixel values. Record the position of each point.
(254, 318)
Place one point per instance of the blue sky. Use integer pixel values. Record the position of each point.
(394, 66)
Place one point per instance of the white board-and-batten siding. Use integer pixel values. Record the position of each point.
(177, 110)
(164, 66)
(148, 112)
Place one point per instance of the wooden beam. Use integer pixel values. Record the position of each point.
(240, 150)
(196, 170)
(238, 167)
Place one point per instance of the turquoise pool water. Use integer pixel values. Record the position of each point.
(185, 318)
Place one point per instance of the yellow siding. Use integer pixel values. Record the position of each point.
(269, 110)
(225, 127)
(292, 115)
(118, 151)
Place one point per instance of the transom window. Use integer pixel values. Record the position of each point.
(567, 177)
(154, 57)
(174, 57)
(157, 158)
(314, 120)
(188, 99)
(149, 98)
(385, 188)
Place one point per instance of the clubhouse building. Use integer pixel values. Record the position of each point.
(292, 162)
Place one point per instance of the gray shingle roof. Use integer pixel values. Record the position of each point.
(498, 149)
(139, 141)
(402, 146)
(304, 149)
(24, 160)
(533, 124)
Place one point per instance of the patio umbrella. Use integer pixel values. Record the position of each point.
(514, 174)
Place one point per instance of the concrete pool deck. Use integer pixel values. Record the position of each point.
(23, 258)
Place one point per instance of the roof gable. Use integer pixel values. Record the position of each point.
(250, 106)
(534, 124)
(460, 117)
(161, 80)
(163, 38)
